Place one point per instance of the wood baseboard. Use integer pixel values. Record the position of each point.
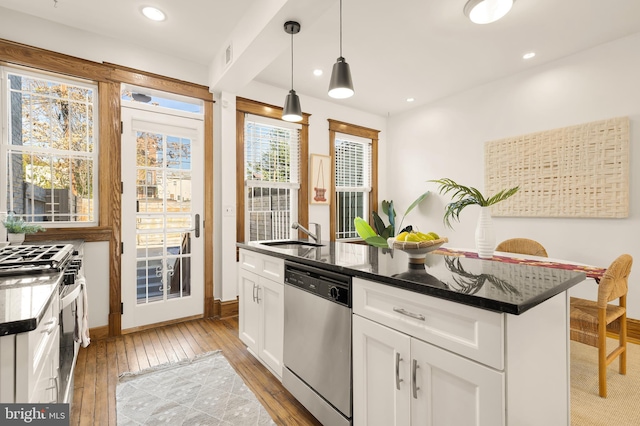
(99, 333)
(229, 308)
(226, 309)
(633, 330)
(160, 324)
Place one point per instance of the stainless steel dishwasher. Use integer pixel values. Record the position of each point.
(317, 341)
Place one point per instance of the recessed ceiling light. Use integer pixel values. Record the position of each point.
(317, 73)
(487, 11)
(410, 99)
(153, 13)
(528, 55)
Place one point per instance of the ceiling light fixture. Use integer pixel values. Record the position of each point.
(341, 86)
(153, 13)
(487, 11)
(529, 55)
(410, 99)
(292, 110)
(317, 72)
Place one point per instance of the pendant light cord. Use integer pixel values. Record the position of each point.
(341, 28)
(291, 61)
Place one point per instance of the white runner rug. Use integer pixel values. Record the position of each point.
(201, 391)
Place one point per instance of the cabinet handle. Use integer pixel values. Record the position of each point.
(254, 292)
(409, 314)
(398, 379)
(50, 326)
(415, 387)
(55, 386)
(257, 294)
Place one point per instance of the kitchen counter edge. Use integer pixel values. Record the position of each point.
(466, 299)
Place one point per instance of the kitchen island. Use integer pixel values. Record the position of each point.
(457, 341)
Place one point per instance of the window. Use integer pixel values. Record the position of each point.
(354, 150)
(271, 176)
(266, 186)
(353, 183)
(50, 148)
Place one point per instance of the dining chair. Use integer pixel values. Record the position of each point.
(589, 319)
(522, 246)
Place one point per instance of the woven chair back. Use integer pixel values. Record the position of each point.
(522, 246)
(615, 281)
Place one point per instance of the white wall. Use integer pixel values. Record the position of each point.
(21, 28)
(96, 270)
(446, 139)
(320, 110)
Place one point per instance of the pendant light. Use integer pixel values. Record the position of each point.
(292, 110)
(341, 86)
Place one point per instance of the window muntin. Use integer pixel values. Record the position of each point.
(272, 178)
(51, 149)
(353, 182)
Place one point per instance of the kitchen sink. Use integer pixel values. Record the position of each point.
(288, 244)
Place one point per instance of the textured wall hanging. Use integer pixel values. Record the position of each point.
(577, 171)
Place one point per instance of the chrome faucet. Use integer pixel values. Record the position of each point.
(316, 237)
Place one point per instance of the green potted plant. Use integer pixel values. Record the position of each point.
(378, 236)
(464, 196)
(18, 228)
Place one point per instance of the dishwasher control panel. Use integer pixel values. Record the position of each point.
(325, 284)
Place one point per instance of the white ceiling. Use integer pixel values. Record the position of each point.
(426, 49)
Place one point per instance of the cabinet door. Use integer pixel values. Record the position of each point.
(270, 298)
(447, 389)
(249, 310)
(381, 381)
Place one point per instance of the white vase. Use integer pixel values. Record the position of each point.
(15, 239)
(485, 235)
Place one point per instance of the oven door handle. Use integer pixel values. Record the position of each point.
(70, 297)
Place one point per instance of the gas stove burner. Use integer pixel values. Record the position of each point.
(30, 259)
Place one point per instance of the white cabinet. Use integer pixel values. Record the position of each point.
(261, 311)
(30, 361)
(420, 360)
(400, 380)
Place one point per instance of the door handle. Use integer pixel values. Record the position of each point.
(197, 229)
(414, 386)
(398, 379)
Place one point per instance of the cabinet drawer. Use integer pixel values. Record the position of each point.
(471, 332)
(36, 352)
(266, 266)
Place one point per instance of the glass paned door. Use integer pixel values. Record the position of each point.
(162, 271)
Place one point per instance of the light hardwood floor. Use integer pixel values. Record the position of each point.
(98, 367)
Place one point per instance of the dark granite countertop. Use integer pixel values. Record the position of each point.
(24, 300)
(486, 284)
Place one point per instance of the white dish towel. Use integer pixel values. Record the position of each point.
(81, 329)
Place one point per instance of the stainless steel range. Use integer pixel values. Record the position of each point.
(28, 260)
(34, 259)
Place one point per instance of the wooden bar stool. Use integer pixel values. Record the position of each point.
(589, 319)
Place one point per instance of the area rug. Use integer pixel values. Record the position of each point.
(205, 390)
(622, 405)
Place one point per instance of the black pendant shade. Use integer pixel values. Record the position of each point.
(341, 86)
(292, 110)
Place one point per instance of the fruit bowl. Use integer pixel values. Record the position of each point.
(417, 249)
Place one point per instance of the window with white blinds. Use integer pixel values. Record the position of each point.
(272, 177)
(353, 182)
